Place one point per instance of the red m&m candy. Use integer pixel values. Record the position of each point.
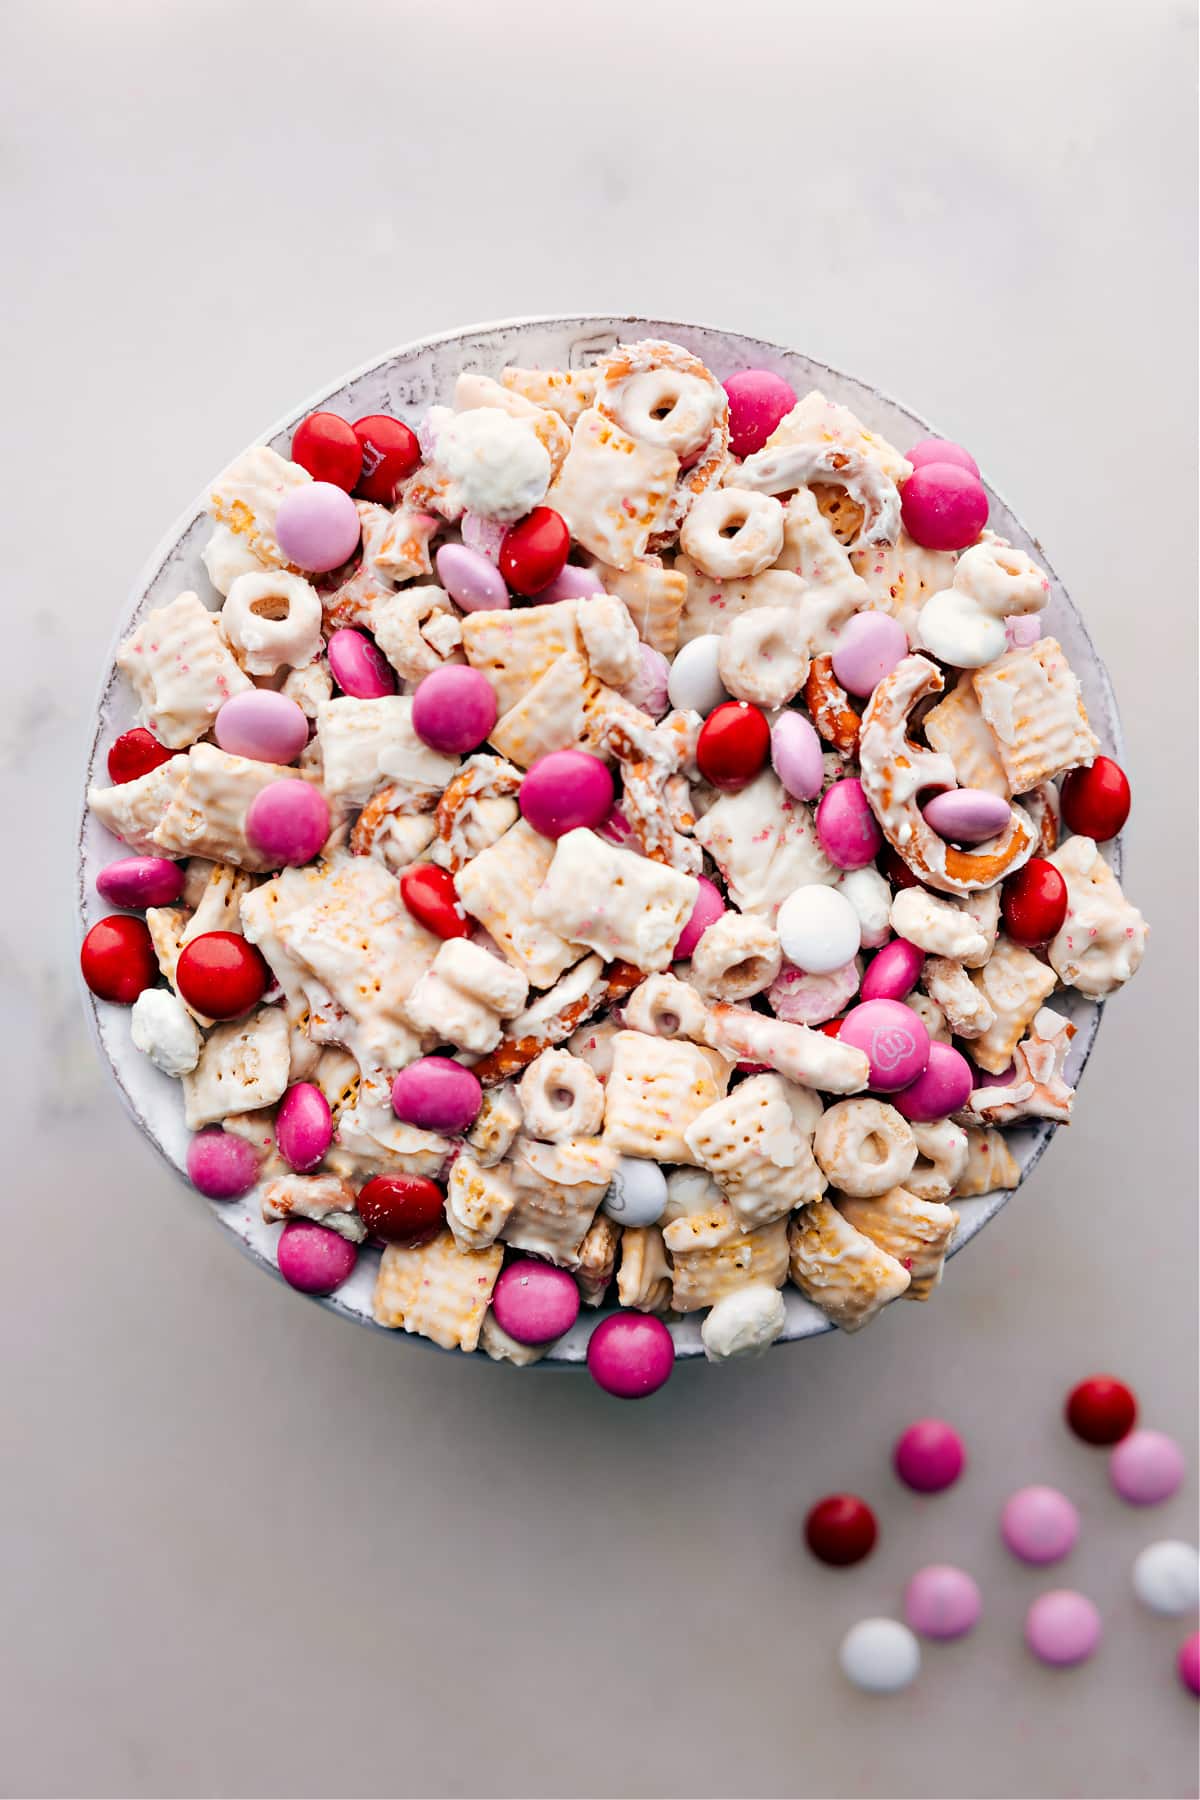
(221, 975)
(1034, 903)
(117, 959)
(534, 551)
(402, 1209)
(1101, 1410)
(1095, 801)
(389, 451)
(841, 1530)
(134, 754)
(734, 743)
(326, 446)
(432, 898)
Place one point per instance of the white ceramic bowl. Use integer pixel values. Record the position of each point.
(405, 382)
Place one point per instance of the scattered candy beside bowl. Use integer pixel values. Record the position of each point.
(387, 485)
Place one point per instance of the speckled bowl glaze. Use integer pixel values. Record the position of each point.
(405, 382)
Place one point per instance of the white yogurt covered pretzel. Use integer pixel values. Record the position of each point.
(1038, 1089)
(968, 1011)
(936, 926)
(942, 1152)
(781, 468)
(864, 1146)
(1014, 982)
(1103, 938)
(744, 1323)
(808, 1058)
(417, 630)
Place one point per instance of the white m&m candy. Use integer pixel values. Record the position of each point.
(638, 1192)
(1166, 1577)
(881, 1656)
(694, 683)
(819, 929)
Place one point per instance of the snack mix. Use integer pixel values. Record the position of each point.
(609, 842)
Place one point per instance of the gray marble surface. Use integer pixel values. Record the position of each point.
(248, 1549)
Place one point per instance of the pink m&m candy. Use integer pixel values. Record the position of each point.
(303, 1126)
(534, 1302)
(846, 826)
(1039, 1525)
(967, 815)
(1062, 1628)
(288, 822)
(758, 400)
(944, 507)
(453, 709)
(359, 666)
(942, 1602)
(1188, 1663)
(572, 583)
(630, 1355)
(648, 689)
(470, 579)
(317, 526)
(868, 647)
(437, 1094)
(221, 1166)
(893, 1039)
(941, 450)
(263, 725)
(137, 881)
(1146, 1468)
(313, 1259)
(929, 1456)
(708, 909)
(941, 1089)
(893, 972)
(797, 755)
(564, 791)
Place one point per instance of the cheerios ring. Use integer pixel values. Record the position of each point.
(763, 656)
(865, 1147)
(560, 1097)
(732, 532)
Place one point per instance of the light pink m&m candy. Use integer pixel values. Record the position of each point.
(648, 689)
(893, 972)
(1062, 1628)
(137, 881)
(797, 755)
(288, 822)
(942, 1602)
(892, 1038)
(941, 450)
(470, 579)
(535, 1302)
(571, 583)
(565, 791)
(708, 909)
(868, 647)
(313, 1259)
(929, 1456)
(967, 815)
(630, 1355)
(758, 400)
(941, 1089)
(437, 1094)
(263, 725)
(1039, 1525)
(944, 506)
(846, 826)
(221, 1166)
(359, 666)
(317, 526)
(453, 709)
(482, 535)
(303, 1126)
(1146, 1468)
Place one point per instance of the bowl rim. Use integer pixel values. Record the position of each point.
(169, 543)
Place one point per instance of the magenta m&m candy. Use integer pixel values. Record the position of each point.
(535, 1302)
(893, 972)
(1146, 1468)
(1062, 1628)
(929, 1456)
(846, 826)
(263, 725)
(303, 1126)
(471, 581)
(630, 1355)
(438, 1094)
(454, 709)
(138, 881)
(221, 1166)
(797, 756)
(1187, 1663)
(359, 666)
(565, 791)
(708, 909)
(317, 526)
(758, 400)
(944, 506)
(868, 647)
(893, 1040)
(941, 1089)
(288, 822)
(942, 1602)
(967, 815)
(1039, 1525)
(941, 450)
(313, 1259)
